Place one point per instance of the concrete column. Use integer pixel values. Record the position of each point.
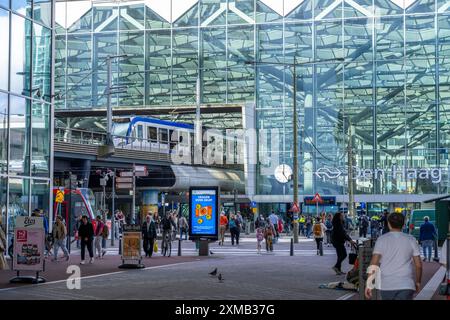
(149, 203)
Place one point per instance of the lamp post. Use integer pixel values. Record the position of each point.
(294, 121)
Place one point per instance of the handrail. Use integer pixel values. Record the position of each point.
(90, 137)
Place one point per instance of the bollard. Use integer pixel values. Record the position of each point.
(292, 247)
(179, 247)
(120, 244)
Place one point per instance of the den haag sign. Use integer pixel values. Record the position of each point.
(395, 172)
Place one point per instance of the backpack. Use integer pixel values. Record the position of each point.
(317, 230)
(329, 225)
(365, 222)
(166, 224)
(105, 231)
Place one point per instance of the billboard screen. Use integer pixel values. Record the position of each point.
(203, 212)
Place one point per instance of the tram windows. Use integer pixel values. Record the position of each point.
(140, 131)
(163, 135)
(152, 134)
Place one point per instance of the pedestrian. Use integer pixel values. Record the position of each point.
(274, 221)
(384, 222)
(59, 238)
(3, 248)
(319, 230)
(363, 222)
(301, 222)
(222, 227)
(259, 238)
(329, 225)
(374, 227)
(86, 234)
(338, 238)
(396, 256)
(77, 226)
(184, 227)
(269, 233)
(149, 234)
(105, 235)
(98, 237)
(234, 229)
(427, 237)
(308, 225)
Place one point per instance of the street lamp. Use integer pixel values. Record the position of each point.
(294, 120)
(108, 149)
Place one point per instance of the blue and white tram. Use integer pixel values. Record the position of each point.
(151, 134)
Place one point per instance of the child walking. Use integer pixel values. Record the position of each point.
(259, 238)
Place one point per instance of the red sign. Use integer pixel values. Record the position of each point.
(21, 235)
(295, 208)
(317, 198)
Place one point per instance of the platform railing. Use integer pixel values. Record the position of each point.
(95, 138)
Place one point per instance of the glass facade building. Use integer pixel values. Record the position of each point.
(372, 80)
(25, 108)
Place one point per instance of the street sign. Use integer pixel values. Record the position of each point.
(317, 198)
(126, 174)
(326, 201)
(253, 204)
(124, 185)
(124, 179)
(140, 171)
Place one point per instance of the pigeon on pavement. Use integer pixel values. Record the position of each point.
(220, 277)
(214, 272)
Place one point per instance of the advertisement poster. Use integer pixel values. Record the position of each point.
(29, 244)
(131, 243)
(203, 217)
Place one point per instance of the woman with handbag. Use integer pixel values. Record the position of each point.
(3, 247)
(338, 238)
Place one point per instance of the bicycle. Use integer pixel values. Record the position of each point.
(166, 245)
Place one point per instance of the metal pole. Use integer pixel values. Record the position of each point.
(351, 200)
(133, 214)
(113, 208)
(108, 101)
(295, 157)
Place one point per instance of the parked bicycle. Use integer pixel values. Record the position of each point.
(166, 245)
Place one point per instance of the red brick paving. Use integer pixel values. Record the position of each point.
(55, 271)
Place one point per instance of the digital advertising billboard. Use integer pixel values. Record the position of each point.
(203, 212)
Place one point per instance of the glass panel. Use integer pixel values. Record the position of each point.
(20, 55)
(298, 42)
(213, 12)
(189, 18)
(390, 82)
(301, 12)
(42, 38)
(19, 197)
(22, 7)
(106, 18)
(243, 14)
(386, 7)
(154, 21)
(40, 141)
(389, 35)
(132, 69)
(158, 73)
(266, 14)
(40, 196)
(60, 70)
(42, 11)
(79, 71)
(421, 6)
(329, 40)
(358, 39)
(270, 45)
(214, 48)
(420, 37)
(20, 126)
(132, 17)
(3, 193)
(4, 54)
(185, 65)
(3, 132)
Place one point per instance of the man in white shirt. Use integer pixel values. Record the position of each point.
(397, 255)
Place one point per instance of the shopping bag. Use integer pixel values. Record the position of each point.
(155, 247)
(353, 255)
